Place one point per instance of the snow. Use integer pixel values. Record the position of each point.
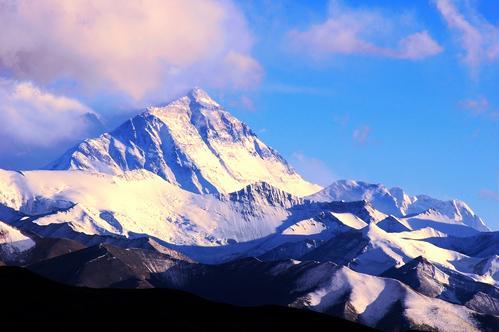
(385, 250)
(372, 297)
(421, 234)
(350, 220)
(191, 142)
(143, 203)
(305, 227)
(140, 203)
(392, 224)
(12, 241)
(432, 219)
(192, 177)
(394, 201)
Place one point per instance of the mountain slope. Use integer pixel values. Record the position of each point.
(372, 250)
(396, 202)
(56, 307)
(386, 304)
(322, 287)
(138, 204)
(191, 142)
(428, 279)
(259, 220)
(105, 266)
(13, 243)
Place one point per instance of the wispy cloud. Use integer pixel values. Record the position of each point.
(341, 119)
(137, 47)
(350, 31)
(313, 169)
(34, 117)
(478, 38)
(480, 107)
(361, 135)
(247, 103)
(489, 194)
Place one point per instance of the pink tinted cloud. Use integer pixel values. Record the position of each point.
(136, 47)
(480, 107)
(37, 118)
(361, 31)
(477, 106)
(489, 194)
(478, 38)
(419, 45)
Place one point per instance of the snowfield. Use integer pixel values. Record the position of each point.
(191, 142)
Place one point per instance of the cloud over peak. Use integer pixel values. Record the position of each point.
(37, 118)
(136, 47)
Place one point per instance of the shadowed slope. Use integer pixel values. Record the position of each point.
(56, 307)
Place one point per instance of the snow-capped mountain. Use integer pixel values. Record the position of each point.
(138, 204)
(396, 202)
(428, 279)
(12, 243)
(259, 220)
(191, 142)
(189, 182)
(324, 287)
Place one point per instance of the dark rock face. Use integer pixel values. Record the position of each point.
(104, 266)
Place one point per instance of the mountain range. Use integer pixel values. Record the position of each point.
(186, 196)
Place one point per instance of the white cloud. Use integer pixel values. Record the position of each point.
(313, 169)
(361, 135)
(33, 117)
(137, 47)
(478, 38)
(363, 31)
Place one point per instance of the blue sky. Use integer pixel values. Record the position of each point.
(418, 134)
(396, 92)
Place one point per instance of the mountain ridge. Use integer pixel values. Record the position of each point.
(191, 142)
(187, 192)
(395, 201)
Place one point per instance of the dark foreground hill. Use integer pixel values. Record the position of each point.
(30, 302)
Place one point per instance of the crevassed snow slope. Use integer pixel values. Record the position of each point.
(396, 202)
(191, 142)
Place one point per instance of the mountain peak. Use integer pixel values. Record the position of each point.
(201, 97)
(191, 142)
